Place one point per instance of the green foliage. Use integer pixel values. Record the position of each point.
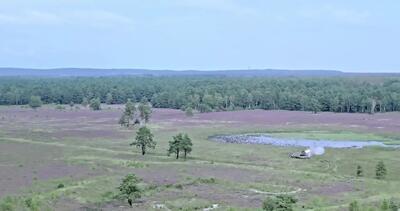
(279, 203)
(144, 140)
(393, 206)
(359, 171)
(35, 102)
(385, 205)
(59, 186)
(180, 143)
(314, 105)
(207, 94)
(380, 171)
(32, 204)
(189, 112)
(203, 108)
(109, 99)
(7, 204)
(144, 110)
(129, 188)
(186, 145)
(85, 102)
(95, 104)
(174, 145)
(128, 115)
(354, 206)
(60, 107)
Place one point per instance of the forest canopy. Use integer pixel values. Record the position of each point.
(205, 94)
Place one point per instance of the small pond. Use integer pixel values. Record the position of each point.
(292, 142)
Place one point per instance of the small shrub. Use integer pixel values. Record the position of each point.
(7, 204)
(354, 206)
(179, 186)
(359, 171)
(393, 206)
(385, 205)
(189, 112)
(207, 180)
(59, 186)
(35, 102)
(32, 204)
(380, 171)
(95, 104)
(279, 203)
(60, 107)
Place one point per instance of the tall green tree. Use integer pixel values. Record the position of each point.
(35, 102)
(144, 140)
(175, 145)
(129, 188)
(186, 145)
(129, 114)
(144, 110)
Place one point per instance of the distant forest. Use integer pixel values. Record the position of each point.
(206, 94)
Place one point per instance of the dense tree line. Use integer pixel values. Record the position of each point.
(205, 94)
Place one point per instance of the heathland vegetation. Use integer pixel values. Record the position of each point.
(122, 151)
(206, 94)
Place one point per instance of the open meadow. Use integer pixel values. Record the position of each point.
(74, 159)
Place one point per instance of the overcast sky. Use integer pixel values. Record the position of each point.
(356, 35)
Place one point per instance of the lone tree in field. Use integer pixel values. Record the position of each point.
(128, 114)
(359, 171)
(380, 171)
(144, 110)
(95, 104)
(35, 102)
(279, 203)
(144, 140)
(186, 145)
(129, 188)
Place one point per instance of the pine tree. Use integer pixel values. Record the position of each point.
(186, 145)
(175, 145)
(144, 140)
(128, 114)
(129, 188)
(380, 171)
